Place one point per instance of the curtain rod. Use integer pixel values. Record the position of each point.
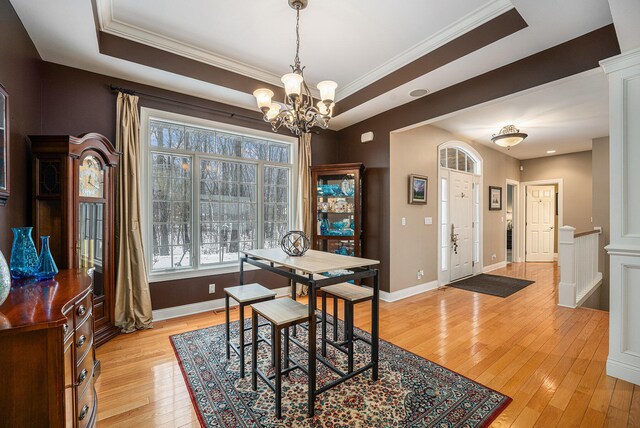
(229, 114)
(215, 110)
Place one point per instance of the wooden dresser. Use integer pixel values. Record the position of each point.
(47, 353)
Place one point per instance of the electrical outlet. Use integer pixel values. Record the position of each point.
(420, 274)
(493, 256)
(212, 288)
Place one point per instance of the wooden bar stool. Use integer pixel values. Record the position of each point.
(351, 294)
(282, 314)
(244, 295)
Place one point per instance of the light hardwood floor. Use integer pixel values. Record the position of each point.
(549, 359)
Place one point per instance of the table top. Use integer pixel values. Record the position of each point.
(313, 261)
(34, 304)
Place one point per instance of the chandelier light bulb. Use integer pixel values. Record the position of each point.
(263, 97)
(274, 110)
(327, 90)
(292, 84)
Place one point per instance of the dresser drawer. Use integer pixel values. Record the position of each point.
(67, 328)
(84, 373)
(83, 339)
(82, 309)
(86, 404)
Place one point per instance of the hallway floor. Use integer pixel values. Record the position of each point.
(549, 359)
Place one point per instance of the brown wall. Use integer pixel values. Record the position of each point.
(415, 246)
(76, 101)
(600, 189)
(575, 171)
(20, 74)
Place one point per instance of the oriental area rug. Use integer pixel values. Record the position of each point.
(411, 391)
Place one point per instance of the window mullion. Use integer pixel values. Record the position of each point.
(195, 211)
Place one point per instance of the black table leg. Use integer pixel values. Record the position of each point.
(324, 323)
(226, 307)
(375, 328)
(241, 347)
(254, 351)
(242, 259)
(312, 347)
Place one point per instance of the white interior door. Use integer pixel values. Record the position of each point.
(461, 221)
(541, 210)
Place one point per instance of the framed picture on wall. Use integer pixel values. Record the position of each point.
(495, 198)
(418, 189)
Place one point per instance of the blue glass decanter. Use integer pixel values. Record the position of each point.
(47, 268)
(24, 259)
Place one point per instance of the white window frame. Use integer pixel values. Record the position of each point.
(146, 208)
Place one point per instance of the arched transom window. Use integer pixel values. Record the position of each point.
(457, 159)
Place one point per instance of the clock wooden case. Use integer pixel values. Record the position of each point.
(74, 203)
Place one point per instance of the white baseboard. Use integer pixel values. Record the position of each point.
(494, 266)
(196, 308)
(408, 292)
(623, 371)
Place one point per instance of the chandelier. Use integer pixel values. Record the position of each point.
(297, 112)
(508, 136)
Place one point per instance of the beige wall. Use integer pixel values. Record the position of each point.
(600, 173)
(414, 247)
(575, 171)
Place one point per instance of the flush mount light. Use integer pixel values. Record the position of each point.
(549, 152)
(508, 136)
(419, 93)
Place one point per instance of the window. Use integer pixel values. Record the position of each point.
(212, 192)
(458, 159)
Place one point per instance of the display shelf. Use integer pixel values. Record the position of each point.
(337, 204)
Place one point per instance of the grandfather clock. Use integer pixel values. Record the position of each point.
(74, 204)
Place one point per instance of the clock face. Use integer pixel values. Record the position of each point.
(91, 178)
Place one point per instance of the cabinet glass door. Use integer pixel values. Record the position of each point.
(336, 213)
(90, 232)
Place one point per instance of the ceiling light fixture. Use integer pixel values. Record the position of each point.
(508, 136)
(419, 93)
(297, 112)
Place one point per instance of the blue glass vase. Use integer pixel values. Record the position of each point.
(324, 227)
(47, 268)
(24, 259)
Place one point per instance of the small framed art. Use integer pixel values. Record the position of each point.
(495, 198)
(418, 185)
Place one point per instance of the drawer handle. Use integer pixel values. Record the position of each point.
(81, 341)
(65, 328)
(81, 310)
(83, 412)
(82, 376)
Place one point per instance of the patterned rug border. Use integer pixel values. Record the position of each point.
(498, 411)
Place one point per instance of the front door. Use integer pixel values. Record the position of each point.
(541, 211)
(461, 220)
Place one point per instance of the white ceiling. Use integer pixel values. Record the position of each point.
(563, 116)
(354, 42)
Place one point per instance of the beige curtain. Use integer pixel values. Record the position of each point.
(304, 189)
(133, 300)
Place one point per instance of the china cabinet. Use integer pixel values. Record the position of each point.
(337, 208)
(74, 182)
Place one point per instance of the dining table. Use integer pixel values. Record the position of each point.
(318, 269)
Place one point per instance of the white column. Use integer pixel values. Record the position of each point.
(567, 257)
(624, 112)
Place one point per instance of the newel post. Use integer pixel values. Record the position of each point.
(567, 255)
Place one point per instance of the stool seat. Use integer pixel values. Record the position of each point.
(249, 292)
(282, 311)
(350, 292)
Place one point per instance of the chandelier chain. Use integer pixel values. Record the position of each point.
(296, 60)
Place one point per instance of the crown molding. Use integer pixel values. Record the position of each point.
(465, 24)
(622, 61)
(110, 25)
